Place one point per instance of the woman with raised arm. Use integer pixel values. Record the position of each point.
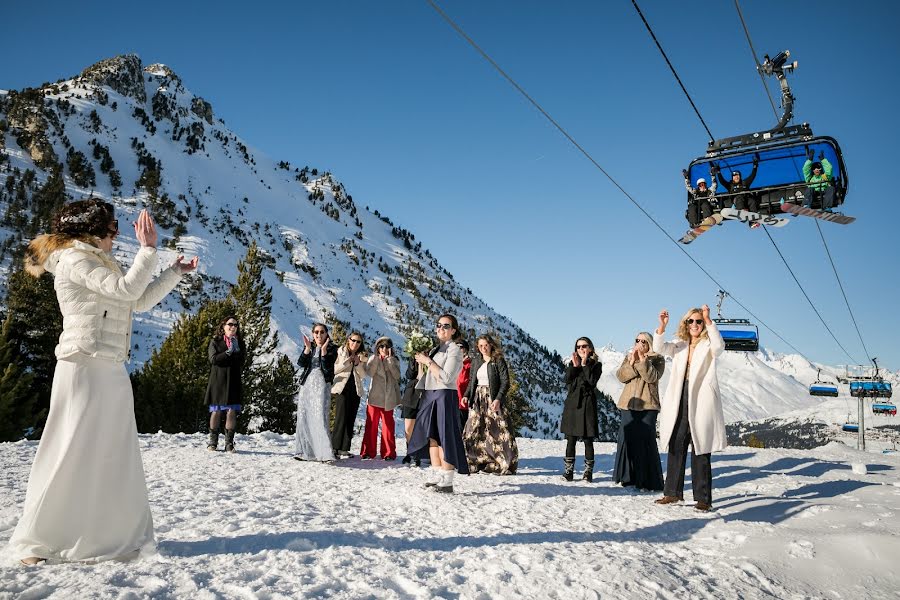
(637, 457)
(311, 441)
(437, 433)
(579, 418)
(490, 445)
(224, 389)
(691, 413)
(384, 396)
(349, 373)
(87, 494)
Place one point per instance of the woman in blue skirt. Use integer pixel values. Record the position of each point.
(437, 434)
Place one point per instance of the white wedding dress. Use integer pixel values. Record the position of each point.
(312, 441)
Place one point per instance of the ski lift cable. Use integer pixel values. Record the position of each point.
(797, 281)
(590, 158)
(762, 78)
(671, 68)
(740, 13)
(805, 295)
(843, 293)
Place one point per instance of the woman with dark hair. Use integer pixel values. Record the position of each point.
(224, 390)
(437, 433)
(384, 396)
(409, 405)
(312, 442)
(490, 445)
(579, 418)
(349, 373)
(637, 457)
(87, 495)
(691, 413)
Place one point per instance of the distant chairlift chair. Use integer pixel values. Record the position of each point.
(738, 334)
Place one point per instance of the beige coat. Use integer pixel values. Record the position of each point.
(342, 367)
(704, 400)
(384, 391)
(641, 382)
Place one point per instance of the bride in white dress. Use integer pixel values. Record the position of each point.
(312, 441)
(87, 495)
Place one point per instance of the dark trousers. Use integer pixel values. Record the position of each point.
(571, 440)
(747, 202)
(698, 210)
(701, 467)
(463, 417)
(346, 405)
(826, 197)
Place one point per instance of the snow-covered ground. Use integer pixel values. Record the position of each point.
(787, 524)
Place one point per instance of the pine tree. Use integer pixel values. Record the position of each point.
(36, 322)
(276, 406)
(252, 300)
(519, 412)
(17, 394)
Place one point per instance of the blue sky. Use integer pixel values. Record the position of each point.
(392, 101)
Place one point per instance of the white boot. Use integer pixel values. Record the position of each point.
(435, 477)
(446, 483)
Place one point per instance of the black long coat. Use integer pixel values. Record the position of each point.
(224, 385)
(579, 416)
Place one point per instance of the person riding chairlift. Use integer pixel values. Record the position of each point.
(702, 202)
(818, 176)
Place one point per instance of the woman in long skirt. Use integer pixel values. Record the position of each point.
(311, 441)
(637, 457)
(437, 432)
(87, 495)
(490, 445)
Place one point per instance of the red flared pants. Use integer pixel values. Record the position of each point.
(375, 414)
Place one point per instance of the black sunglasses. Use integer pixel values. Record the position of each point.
(385, 345)
(231, 324)
(640, 341)
(582, 346)
(697, 321)
(356, 341)
(443, 326)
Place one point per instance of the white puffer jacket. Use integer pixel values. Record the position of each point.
(97, 299)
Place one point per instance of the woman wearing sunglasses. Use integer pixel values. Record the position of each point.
(691, 413)
(579, 418)
(384, 396)
(437, 434)
(312, 441)
(223, 392)
(349, 373)
(637, 457)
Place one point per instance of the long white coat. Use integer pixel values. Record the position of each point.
(704, 400)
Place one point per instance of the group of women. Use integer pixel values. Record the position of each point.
(87, 498)
(690, 410)
(437, 387)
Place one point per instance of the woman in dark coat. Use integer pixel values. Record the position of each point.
(490, 445)
(224, 390)
(579, 418)
(637, 456)
(409, 405)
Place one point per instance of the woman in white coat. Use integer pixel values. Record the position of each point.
(691, 408)
(87, 495)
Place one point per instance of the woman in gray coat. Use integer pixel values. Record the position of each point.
(384, 396)
(637, 457)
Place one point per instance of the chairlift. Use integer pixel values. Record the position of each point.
(884, 408)
(778, 153)
(869, 388)
(739, 335)
(823, 388)
(850, 424)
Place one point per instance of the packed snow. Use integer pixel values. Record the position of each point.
(256, 524)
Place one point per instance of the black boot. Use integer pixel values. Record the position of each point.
(588, 471)
(570, 468)
(229, 440)
(213, 443)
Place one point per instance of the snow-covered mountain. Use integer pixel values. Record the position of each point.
(139, 137)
